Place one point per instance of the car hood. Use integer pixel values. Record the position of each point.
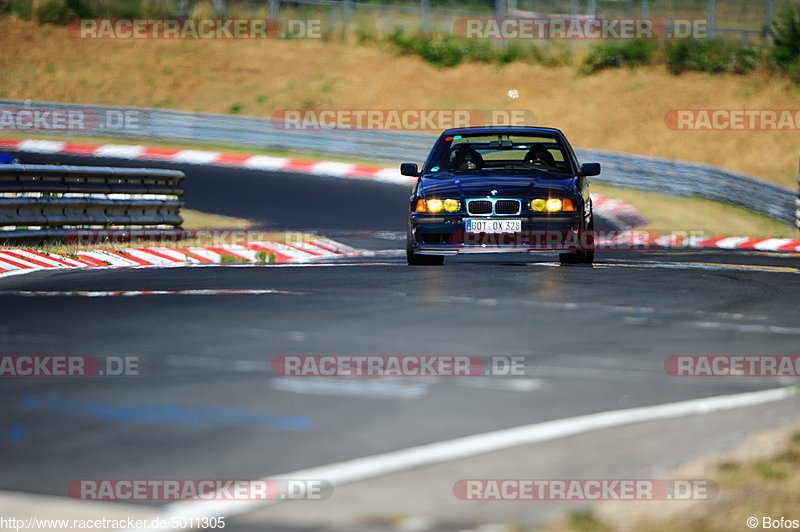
(466, 185)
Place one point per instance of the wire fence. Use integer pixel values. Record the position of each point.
(746, 20)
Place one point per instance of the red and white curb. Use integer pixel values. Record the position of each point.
(621, 213)
(604, 206)
(646, 239)
(26, 260)
(211, 158)
(136, 293)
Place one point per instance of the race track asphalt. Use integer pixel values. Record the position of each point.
(207, 405)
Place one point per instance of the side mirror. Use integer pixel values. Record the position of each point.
(409, 169)
(590, 169)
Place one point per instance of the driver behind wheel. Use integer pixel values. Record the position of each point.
(540, 155)
(466, 158)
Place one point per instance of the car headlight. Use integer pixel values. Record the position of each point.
(552, 205)
(537, 205)
(452, 205)
(437, 205)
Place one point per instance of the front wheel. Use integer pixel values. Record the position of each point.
(415, 259)
(582, 256)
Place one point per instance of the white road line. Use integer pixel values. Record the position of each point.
(392, 462)
(381, 388)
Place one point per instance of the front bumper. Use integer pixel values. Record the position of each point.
(445, 235)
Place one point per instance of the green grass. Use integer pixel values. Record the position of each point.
(444, 50)
(227, 258)
(630, 54)
(671, 213)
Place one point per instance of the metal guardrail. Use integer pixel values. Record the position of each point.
(46, 199)
(666, 176)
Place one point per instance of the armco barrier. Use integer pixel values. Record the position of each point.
(665, 176)
(45, 200)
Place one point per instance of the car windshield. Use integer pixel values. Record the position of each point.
(490, 153)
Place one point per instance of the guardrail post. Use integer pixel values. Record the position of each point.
(425, 15)
(346, 17)
(710, 11)
(797, 204)
(499, 13)
(768, 16)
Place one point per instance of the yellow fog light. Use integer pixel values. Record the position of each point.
(451, 205)
(553, 205)
(537, 205)
(435, 205)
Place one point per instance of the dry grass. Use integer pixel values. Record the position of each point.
(203, 220)
(616, 110)
(757, 482)
(665, 214)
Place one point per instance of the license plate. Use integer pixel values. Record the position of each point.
(492, 226)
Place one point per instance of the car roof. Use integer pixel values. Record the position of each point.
(502, 130)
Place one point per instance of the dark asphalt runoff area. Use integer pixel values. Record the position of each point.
(207, 405)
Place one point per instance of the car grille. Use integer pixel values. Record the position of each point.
(479, 207)
(503, 206)
(506, 207)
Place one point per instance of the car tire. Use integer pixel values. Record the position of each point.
(584, 256)
(415, 259)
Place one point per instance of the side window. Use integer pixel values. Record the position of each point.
(573, 159)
